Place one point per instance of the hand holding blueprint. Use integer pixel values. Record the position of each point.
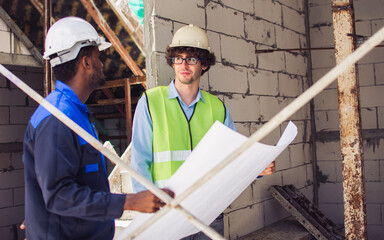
(212, 198)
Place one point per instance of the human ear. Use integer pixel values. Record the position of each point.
(86, 62)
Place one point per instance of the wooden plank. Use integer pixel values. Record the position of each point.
(108, 116)
(121, 82)
(96, 15)
(128, 109)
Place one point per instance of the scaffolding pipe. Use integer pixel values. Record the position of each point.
(355, 217)
(47, 65)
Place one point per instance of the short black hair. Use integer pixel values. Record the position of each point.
(66, 71)
(207, 58)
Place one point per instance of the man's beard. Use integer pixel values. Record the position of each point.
(97, 79)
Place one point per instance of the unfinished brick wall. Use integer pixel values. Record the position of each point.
(253, 86)
(15, 111)
(369, 17)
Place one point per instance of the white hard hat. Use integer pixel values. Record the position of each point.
(67, 36)
(191, 36)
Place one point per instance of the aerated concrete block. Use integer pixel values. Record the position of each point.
(379, 73)
(163, 34)
(293, 19)
(245, 199)
(224, 20)
(242, 108)
(326, 100)
(323, 59)
(6, 198)
(244, 221)
(228, 79)
(366, 74)
(5, 45)
(321, 37)
(289, 85)
(368, 118)
(12, 133)
(368, 10)
(327, 120)
(263, 82)
(328, 150)
(260, 31)
(296, 176)
(300, 154)
(372, 192)
(274, 10)
(271, 61)
(286, 38)
(374, 56)
(244, 54)
(269, 107)
(320, 14)
(333, 211)
(243, 6)
(185, 11)
(371, 96)
(331, 193)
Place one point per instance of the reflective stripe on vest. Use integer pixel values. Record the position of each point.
(173, 135)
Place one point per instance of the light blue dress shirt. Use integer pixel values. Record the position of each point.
(142, 151)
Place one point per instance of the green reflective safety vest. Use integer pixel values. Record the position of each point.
(174, 137)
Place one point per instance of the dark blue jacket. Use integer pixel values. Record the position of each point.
(66, 185)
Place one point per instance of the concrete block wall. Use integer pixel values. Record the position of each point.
(15, 111)
(369, 17)
(253, 86)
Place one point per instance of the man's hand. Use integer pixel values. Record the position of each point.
(145, 201)
(269, 170)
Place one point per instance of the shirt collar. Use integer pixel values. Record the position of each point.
(173, 93)
(71, 95)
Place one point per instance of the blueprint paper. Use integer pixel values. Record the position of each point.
(213, 197)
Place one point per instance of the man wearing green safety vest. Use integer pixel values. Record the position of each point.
(171, 120)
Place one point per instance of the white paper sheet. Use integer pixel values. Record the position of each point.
(212, 198)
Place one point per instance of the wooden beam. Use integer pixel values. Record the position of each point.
(128, 109)
(121, 82)
(111, 97)
(96, 15)
(108, 115)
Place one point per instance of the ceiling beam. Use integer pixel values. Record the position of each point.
(96, 15)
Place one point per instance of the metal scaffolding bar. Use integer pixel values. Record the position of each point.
(355, 219)
(96, 15)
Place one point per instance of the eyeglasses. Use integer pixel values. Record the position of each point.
(188, 60)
